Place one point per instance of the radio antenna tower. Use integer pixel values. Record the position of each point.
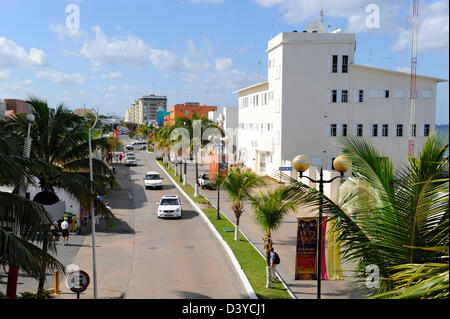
(321, 11)
(413, 91)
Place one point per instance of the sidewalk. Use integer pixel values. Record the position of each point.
(285, 244)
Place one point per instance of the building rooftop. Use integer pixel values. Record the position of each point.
(371, 68)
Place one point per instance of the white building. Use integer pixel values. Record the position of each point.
(316, 93)
(2, 109)
(228, 120)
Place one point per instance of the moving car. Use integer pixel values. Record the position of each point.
(130, 161)
(129, 153)
(205, 182)
(170, 206)
(136, 146)
(153, 180)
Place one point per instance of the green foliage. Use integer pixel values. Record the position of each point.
(385, 218)
(46, 294)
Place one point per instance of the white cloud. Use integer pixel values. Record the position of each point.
(5, 75)
(112, 75)
(62, 78)
(223, 64)
(164, 60)
(12, 55)
(207, 1)
(111, 51)
(63, 32)
(433, 28)
(268, 3)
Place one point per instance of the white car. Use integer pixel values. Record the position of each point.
(169, 206)
(153, 180)
(130, 161)
(129, 154)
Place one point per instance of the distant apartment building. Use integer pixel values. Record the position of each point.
(315, 93)
(145, 109)
(186, 110)
(14, 106)
(84, 112)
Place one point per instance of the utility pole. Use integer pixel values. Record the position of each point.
(94, 263)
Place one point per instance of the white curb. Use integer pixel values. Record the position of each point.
(251, 293)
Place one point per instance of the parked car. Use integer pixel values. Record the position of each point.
(129, 154)
(170, 206)
(205, 182)
(153, 180)
(130, 161)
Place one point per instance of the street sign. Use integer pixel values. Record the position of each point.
(78, 281)
(286, 168)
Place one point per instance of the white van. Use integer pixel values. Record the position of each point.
(137, 146)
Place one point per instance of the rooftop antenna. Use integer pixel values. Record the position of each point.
(321, 11)
(273, 25)
(259, 70)
(414, 43)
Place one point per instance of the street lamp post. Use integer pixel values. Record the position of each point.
(301, 164)
(218, 141)
(94, 264)
(184, 175)
(13, 271)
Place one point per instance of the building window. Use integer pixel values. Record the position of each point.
(186, 113)
(386, 94)
(385, 130)
(374, 93)
(375, 130)
(278, 72)
(334, 64)
(334, 96)
(426, 129)
(399, 130)
(344, 129)
(344, 96)
(345, 64)
(361, 96)
(333, 129)
(359, 130)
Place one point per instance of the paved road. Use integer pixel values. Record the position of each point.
(285, 244)
(147, 257)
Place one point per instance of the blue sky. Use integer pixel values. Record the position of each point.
(191, 50)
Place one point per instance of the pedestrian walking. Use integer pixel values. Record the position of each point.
(54, 229)
(274, 261)
(117, 158)
(120, 158)
(65, 231)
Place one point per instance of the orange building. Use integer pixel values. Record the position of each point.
(186, 110)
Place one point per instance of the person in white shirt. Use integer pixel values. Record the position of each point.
(65, 231)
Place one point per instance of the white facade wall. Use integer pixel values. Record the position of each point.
(300, 83)
(2, 109)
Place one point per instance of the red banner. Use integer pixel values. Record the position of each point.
(305, 265)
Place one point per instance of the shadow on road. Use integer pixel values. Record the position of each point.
(192, 295)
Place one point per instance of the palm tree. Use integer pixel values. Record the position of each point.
(61, 149)
(163, 141)
(24, 225)
(270, 209)
(395, 214)
(238, 184)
